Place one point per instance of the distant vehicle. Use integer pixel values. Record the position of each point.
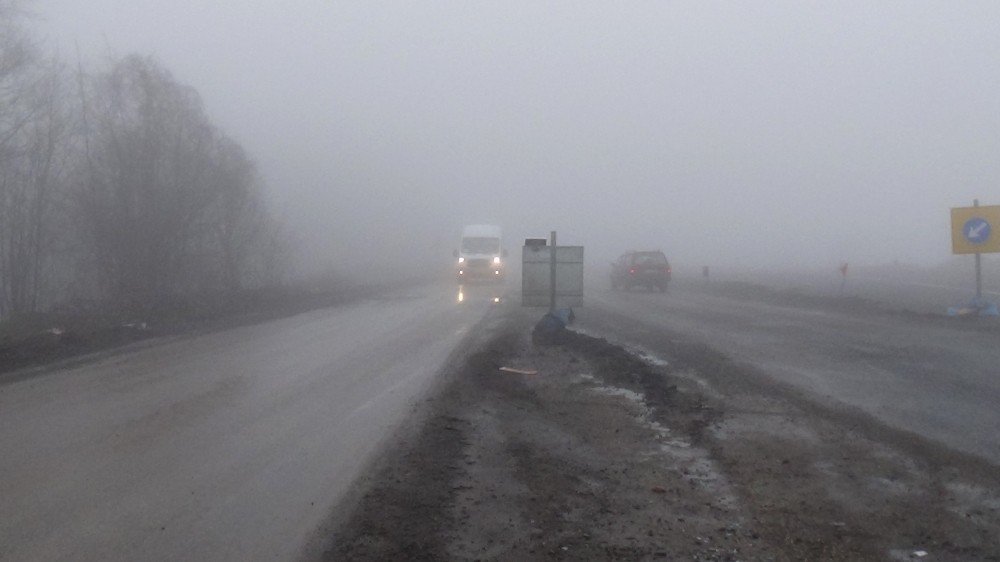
(648, 269)
(480, 254)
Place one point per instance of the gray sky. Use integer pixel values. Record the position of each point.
(732, 134)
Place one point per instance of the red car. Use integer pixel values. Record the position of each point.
(648, 269)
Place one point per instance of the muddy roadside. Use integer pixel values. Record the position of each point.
(605, 454)
(39, 340)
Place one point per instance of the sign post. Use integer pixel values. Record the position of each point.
(978, 229)
(973, 232)
(551, 275)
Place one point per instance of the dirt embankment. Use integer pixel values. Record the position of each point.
(604, 454)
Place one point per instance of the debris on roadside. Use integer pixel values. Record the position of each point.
(550, 330)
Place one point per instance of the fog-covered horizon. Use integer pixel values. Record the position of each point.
(760, 135)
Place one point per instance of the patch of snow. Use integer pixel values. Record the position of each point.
(631, 395)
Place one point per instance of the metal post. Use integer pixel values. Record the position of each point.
(979, 267)
(552, 273)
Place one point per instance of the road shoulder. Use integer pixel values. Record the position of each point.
(609, 455)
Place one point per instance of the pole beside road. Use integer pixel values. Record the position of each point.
(979, 265)
(552, 272)
(976, 230)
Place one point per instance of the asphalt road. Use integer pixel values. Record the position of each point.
(927, 377)
(238, 444)
(228, 446)
(910, 290)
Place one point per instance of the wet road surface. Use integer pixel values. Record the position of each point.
(927, 377)
(228, 446)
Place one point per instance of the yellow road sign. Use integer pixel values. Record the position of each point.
(975, 230)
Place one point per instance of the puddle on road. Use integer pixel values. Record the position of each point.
(491, 294)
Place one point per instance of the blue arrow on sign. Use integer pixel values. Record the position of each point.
(976, 230)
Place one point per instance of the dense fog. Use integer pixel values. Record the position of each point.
(733, 134)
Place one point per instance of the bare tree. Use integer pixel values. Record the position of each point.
(17, 54)
(143, 187)
(239, 216)
(147, 199)
(33, 125)
(29, 181)
(169, 205)
(275, 254)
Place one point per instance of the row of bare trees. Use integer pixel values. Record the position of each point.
(115, 187)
